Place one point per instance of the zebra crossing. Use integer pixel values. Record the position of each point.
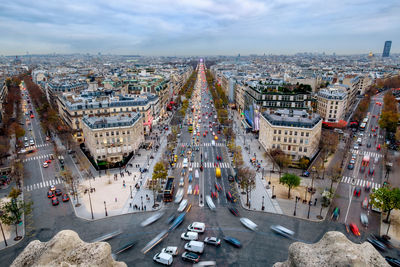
(42, 184)
(47, 156)
(41, 145)
(222, 165)
(202, 144)
(359, 182)
(367, 153)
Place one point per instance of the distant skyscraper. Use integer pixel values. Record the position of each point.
(386, 49)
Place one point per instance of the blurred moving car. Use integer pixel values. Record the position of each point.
(279, 229)
(152, 219)
(183, 205)
(354, 229)
(233, 241)
(364, 219)
(248, 223)
(58, 192)
(234, 211)
(336, 214)
(393, 261)
(377, 244)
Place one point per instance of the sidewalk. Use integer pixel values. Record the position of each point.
(9, 230)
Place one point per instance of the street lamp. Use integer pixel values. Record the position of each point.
(262, 207)
(105, 208)
(141, 198)
(311, 193)
(2, 231)
(90, 199)
(295, 205)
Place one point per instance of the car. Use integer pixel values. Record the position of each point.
(356, 147)
(364, 219)
(371, 171)
(50, 194)
(353, 156)
(229, 196)
(189, 236)
(279, 229)
(65, 198)
(182, 205)
(365, 203)
(45, 165)
(26, 144)
(352, 161)
(378, 147)
(190, 256)
(218, 186)
(369, 145)
(357, 191)
(170, 250)
(48, 161)
(198, 227)
(31, 142)
(393, 261)
(47, 138)
(354, 229)
(54, 201)
(181, 182)
(190, 190)
(377, 244)
(58, 192)
(367, 187)
(306, 174)
(350, 166)
(52, 187)
(233, 241)
(163, 258)
(212, 240)
(248, 223)
(335, 214)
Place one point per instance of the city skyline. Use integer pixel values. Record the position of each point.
(199, 27)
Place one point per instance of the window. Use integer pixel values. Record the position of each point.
(279, 131)
(306, 141)
(301, 140)
(95, 135)
(295, 133)
(274, 131)
(305, 149)
(274, 138)
(290, 139)
(279, 139)
(307, 134)
(294, 140)
(285, 140)
(112, 133)
(107, 134)
(302, 133)
(117, 132)
(300, 149)
(291, 132)
(127, 132)
(285, 132)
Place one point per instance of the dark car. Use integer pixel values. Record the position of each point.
(54, 201)
(233, 241)
(350, 166)
(357, 191)
(50, 194)
(234, 211)
(190, 256)
(229, 196)
(65, 198)
(306, 174)
(377, 244)
(58, 192)
(230, 178)
(393, 261)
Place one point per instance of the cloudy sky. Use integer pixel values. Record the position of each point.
(198, 27)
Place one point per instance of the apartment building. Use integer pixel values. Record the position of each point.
(3, 96)
(240, 90)
(295, 132)
(332, 104)
(73, 108)
(111, 139)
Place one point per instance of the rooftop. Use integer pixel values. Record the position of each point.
(111, 122)
(291, 118)
(332, 93)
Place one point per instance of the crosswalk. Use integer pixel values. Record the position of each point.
(359, 182)
(42, 184)
(367, 153)
(47, 156)
(41, 145)
(202, 144)
(222, 165)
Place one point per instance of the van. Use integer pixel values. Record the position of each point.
(163, 258)
(198, 227)
(195, 246)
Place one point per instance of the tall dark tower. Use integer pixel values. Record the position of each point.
(386, 49)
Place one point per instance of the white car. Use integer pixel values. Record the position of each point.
(189, 236)
(248, 223)
(170, 250)
(163, 258)
(279, 229)
(183, 205)
(152, 219)
(190, 190)
(356, 147)
(179, 196)
(181, 182)
(198, 227)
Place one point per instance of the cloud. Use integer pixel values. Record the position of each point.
(194, 26)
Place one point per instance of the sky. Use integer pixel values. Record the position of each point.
(198, 27)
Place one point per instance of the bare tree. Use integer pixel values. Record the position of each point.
(328, 144)
(247, 182)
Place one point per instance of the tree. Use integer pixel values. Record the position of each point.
(290, 180)
(389, 120)
(13, 211)
(159, 174)
(237, 157)
(229, 133)
(336, 173)
(386, 198)
(70, 180)
(247, 181)
(303, 163)
(328, 144)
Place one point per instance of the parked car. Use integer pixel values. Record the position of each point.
(198, 227)
(58, 192)
(190, 256)
(163, 258)
(50, 194)
(170, 250)
(190, 236)
(233, 241)
(212, 240)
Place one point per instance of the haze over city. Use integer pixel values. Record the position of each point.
(207, 27)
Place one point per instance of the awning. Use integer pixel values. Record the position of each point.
(245, 124)
(339, 124)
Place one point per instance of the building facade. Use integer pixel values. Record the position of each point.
(332, 104)
(111, 139)
(3, 97)
(295, 132)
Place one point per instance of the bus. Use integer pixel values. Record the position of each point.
(169, 189)
(362, 126)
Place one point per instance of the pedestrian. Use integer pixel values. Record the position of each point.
(130, 204)
(115, 199)
(315, 202)
(145, 208)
